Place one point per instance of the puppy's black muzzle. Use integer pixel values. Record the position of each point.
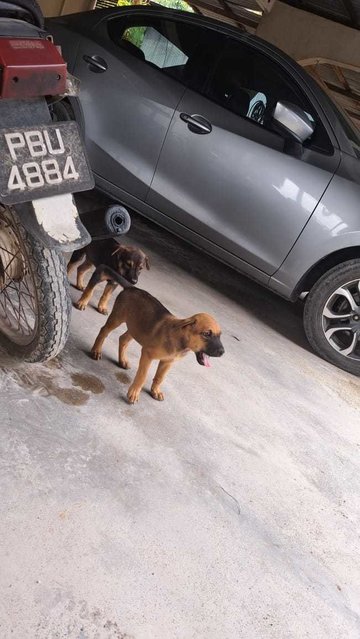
(214, 348)
(131, 277)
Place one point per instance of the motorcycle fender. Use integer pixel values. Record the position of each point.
(54, 221)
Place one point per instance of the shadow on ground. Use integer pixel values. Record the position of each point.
(280, 315)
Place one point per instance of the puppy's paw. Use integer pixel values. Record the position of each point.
(81, 306)
(80, 288)
(102, 310)
(95, 354)
(123, 363)
(157, 394)
(133, 394)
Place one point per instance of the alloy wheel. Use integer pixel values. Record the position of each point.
(341, 320)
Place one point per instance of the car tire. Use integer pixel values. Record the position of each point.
(332, 316)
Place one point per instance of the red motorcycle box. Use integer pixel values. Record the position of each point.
(30, 68)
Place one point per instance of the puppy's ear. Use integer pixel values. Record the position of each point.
(190, 321)
(147, 263)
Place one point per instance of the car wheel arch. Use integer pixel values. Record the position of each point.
(318, 269)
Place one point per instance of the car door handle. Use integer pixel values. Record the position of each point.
(97, 64)
(196, 123)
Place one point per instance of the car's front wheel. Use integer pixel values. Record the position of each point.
(332, 316)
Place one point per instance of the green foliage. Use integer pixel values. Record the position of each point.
(181, 5)
(136, 34)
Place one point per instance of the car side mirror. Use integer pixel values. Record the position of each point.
(291, 119)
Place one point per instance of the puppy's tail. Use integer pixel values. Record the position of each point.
(104, 272)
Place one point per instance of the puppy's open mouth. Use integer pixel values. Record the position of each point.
(203, 359)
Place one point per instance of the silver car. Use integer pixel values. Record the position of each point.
(225, 141)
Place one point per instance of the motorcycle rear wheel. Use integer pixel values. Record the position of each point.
(31, 10)
(35, 305)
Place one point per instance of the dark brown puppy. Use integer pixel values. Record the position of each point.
(128, 261)
(162, 336)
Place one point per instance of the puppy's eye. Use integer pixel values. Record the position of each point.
(206, 334)
(128, 264)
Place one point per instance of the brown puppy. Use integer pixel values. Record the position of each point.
(126, 260)
(162, 336)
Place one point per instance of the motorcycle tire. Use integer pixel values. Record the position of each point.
(35, 305)
(33, 9)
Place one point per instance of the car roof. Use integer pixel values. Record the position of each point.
(89, 19)
(86, 21)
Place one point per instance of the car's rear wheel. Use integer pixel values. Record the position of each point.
(332, 316)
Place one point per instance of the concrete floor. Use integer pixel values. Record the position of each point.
(231, 510)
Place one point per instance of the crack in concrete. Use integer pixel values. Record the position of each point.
(233, 498)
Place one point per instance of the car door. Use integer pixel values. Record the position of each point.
(229, 176)
(128, 96)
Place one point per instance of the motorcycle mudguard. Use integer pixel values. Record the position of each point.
(54, 221)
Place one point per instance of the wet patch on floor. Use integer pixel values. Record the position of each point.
(88, 383)
(55, 363)
(123, 378)
(44, 384)
(55, 378)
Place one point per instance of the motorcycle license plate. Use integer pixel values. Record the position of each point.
(41, 161)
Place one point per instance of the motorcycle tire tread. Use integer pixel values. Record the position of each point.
(50, 273)
(48, 269)
(34, 9)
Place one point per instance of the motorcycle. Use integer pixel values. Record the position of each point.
(43, 163)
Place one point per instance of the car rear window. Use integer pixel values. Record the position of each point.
(168, 45)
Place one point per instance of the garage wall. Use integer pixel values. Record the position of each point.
(62, 7)
(305, 36)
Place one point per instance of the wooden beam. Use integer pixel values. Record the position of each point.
(340, 76)
(229, 12)
(354, 116)
(351, 12)
(265, 5)
(344, 92)
(314, 73)
(217, 10)
(312, 62)
(347, 103)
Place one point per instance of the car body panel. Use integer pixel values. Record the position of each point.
(235, 186)
(125, 145)
(181, 231)
(334, 226)
(293, 211)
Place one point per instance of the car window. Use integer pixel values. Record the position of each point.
(250, 84)
(174, 47)
(157, 48)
